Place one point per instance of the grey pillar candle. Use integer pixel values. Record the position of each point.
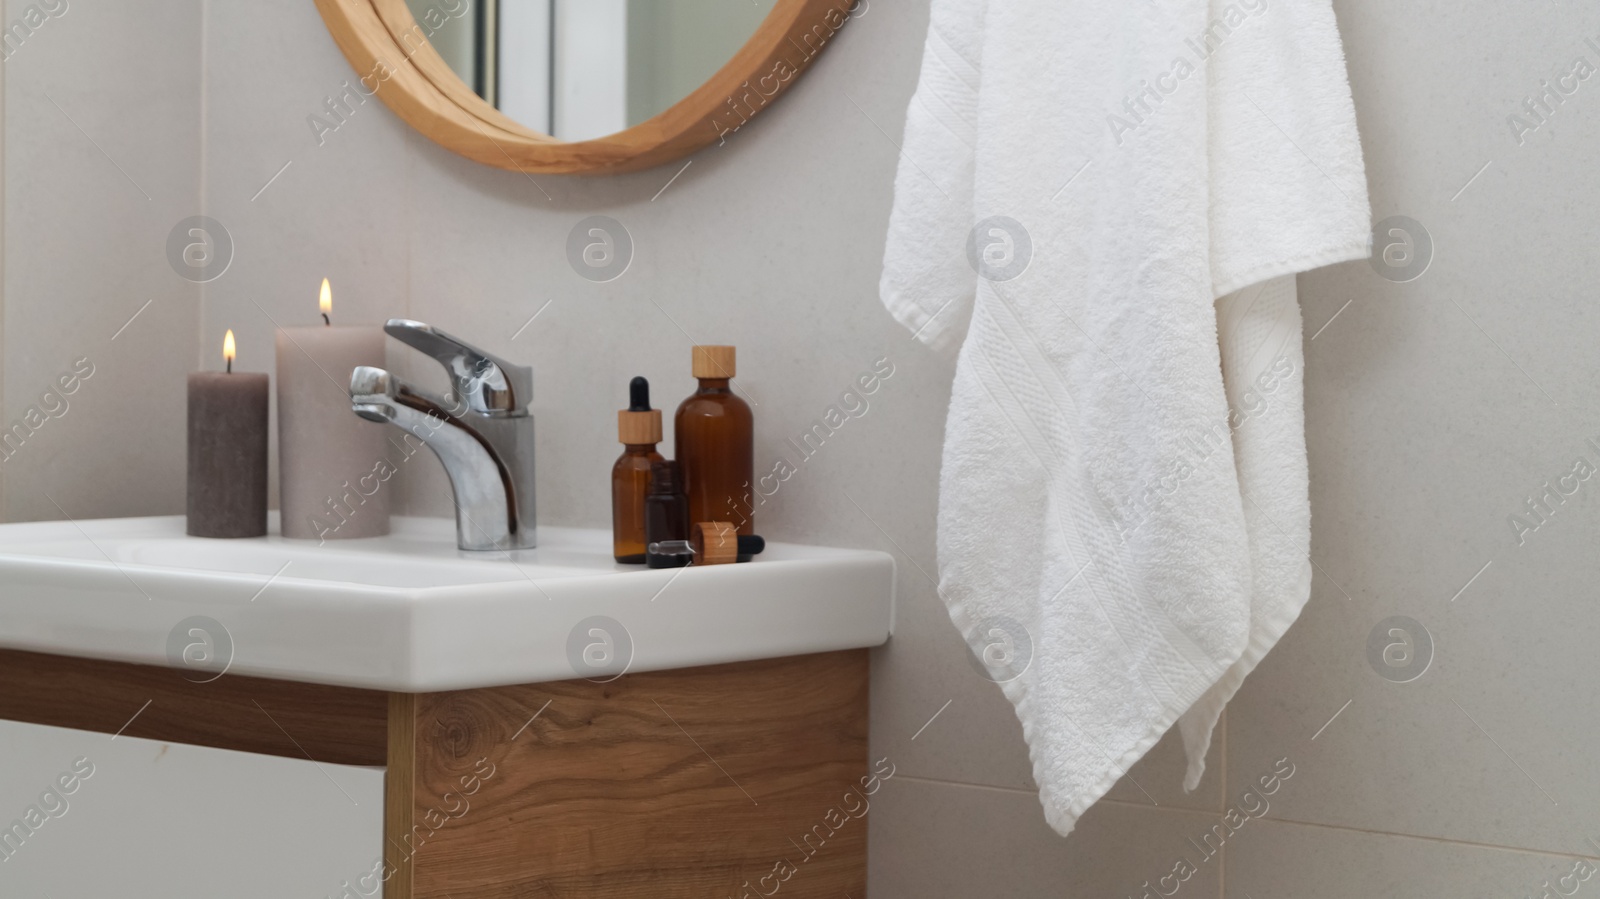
(227, 452)
(333, 473)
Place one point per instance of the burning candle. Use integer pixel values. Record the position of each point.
(227, 451)
(332, 471)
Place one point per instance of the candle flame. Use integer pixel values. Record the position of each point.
(228, 351)
(325, 299)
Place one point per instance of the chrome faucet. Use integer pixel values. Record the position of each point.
(482, 432)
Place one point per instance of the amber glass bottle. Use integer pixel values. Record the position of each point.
(714, 433)
(639, 429)
(666, 515)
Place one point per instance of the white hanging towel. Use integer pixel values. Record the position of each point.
(1103, 205)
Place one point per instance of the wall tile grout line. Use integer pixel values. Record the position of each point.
(1473, 844)
(1523, 850)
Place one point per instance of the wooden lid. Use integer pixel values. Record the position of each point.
(714, 543)
(639, 427)
(713, 362)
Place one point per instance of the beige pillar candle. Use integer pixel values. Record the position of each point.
(333, 476)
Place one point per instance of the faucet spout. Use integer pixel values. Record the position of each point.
(488, 459)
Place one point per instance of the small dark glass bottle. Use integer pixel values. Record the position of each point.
(666, 514)
(639, 429)
(714, 433)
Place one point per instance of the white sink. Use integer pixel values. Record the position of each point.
(411, 613)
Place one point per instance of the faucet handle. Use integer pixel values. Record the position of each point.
(483, 381)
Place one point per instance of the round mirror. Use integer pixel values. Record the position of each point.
(585, 86)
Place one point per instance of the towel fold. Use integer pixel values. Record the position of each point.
(1101, 208)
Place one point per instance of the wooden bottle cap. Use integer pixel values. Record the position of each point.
(713, 362)
(714, 543)
(639, 427)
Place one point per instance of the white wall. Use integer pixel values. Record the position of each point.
(1429, 420)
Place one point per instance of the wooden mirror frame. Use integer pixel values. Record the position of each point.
(393, 59)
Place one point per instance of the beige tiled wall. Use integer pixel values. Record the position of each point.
(1434, 407)
(102, 159)
(2, 272)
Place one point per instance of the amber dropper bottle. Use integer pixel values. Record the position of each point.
(639, 429)
(666, 515)
(714, 433)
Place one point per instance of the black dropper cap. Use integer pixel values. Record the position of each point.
(639, 424)
(639, 395)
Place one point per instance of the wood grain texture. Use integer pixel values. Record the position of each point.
(687, 784)
(339, 725)
(399, 792)
(392, 57)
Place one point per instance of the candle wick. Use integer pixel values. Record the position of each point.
(325, 320)
(230, 366)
